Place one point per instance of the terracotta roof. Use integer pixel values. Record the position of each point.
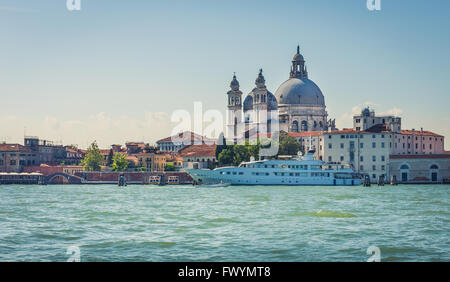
(429, 156)
(306, 133)
(418, 132)
(184, 136)
(198, 151)
(379, 128)
(104, 151)
(139, 144)
(13, 148)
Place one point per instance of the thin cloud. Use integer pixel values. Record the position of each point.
(17, 10)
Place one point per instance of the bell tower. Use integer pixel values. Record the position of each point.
(234, 112)
(298, 69)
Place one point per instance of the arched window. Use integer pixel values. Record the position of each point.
(304, 125)
(434, 166)
(295, 126)
(315, 124)
(320, 124)
(405, 166)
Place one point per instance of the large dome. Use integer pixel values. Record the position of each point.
(300, 91)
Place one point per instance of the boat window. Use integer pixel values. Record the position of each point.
(228, 172)
(241, 173)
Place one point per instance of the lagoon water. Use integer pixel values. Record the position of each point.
(238, 223)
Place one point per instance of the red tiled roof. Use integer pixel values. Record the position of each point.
(139, 144)
(429, 156)
(184, 136)
(104, 151)
(418, 132)
(306, 133)
(13, 148)
(198, 151)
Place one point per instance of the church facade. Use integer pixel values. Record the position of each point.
(298, 105)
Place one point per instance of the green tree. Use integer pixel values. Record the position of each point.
(240, 154)
(93, 159)
(170, 167)
(288, 145)
(120, 162)
(226, 157)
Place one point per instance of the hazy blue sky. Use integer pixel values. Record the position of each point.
(116, 70)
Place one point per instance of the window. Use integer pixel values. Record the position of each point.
(374, 145)
(383, 167)
(342, 145)
(382, 144)
(361, 158)
(361, 167)
(374, 158)
(12, 162)
(330, 146)
(342, 158)
(382, 158)
(329, 158)
(374, 167)
(361, 145)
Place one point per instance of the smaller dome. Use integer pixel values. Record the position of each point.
(234, 82)
(298, 58)
(248, 103)
(260, 79)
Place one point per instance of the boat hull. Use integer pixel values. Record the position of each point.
(204, 176)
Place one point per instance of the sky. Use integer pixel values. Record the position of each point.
(116, 71)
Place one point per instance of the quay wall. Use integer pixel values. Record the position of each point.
(131, 177)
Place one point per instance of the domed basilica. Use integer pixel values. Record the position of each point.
(298, 104)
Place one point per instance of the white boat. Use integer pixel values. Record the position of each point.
(304, 170)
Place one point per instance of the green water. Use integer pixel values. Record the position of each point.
(147, 223)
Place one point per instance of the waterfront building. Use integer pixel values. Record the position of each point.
(412, 142)
(49, 152)
(405, 142)
(134, 147)
(152, 161)
(74, 156)
(367, 119)
(181, 140)
(367, 152)
(434, 168)
(199, 156)
(14, 157)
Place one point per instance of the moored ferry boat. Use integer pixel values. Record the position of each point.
(300, 171)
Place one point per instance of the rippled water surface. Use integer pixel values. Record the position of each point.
(255, 223)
